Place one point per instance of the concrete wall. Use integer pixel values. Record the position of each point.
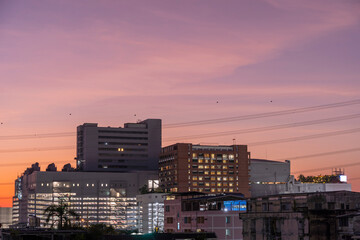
(5, 216)
(293, 187)
(269, 171)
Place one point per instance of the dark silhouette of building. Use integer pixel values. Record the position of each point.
(136, 146)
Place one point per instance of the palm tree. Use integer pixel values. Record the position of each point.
(62, 214)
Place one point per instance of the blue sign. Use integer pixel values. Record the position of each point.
(237, 205)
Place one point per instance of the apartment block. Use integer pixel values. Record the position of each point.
(185, 167)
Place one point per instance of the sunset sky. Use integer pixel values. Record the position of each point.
(63, 63)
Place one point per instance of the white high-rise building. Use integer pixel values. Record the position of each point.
(98, 197)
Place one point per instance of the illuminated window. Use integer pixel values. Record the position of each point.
(225, 172)
(231, 156)
(212, 172)
(231, 184)
(212, 156)
(194, 155)
(231, 178)
(218, 173)
(219, 184)
(194, 177)
(213, 190)
(224, 178)
(213, 178)
(231, 190)
(206, 172)
(201, 161)
(207, 166)
(224, 167)
(200, 178)
(219, 178)
(225, 184)
(213, 184)
(212, 167)
(207, 184)
(194, 184)
(120, 149)
(201, 166)
(219, 189)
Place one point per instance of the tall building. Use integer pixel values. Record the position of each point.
(185, 167)
(136, 146)
(98, 197)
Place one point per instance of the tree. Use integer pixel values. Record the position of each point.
(62, 214)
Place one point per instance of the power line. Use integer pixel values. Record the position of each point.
(6, 183)
(25, 163)
(41, 135)
(201, 122)
(283, 140)
(294, 139)
(267, 128)
(320, 154)
(262, 115)
(330, 167)
(36, 149)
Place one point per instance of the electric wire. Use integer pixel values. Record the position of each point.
(36, 149)
(262, 115)
(266, 128)
(327, 168)
(320, 154)
(294, 139)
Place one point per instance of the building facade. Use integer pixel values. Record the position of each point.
(5, 216)
(305, 216)
(151, 212)
(136, 146)
(196, 212)
(184, 167)
(98, 197)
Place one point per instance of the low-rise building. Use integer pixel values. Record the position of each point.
(307, 216)
(198, 212)
(269, 177)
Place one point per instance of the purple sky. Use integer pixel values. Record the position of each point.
(104, 61)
